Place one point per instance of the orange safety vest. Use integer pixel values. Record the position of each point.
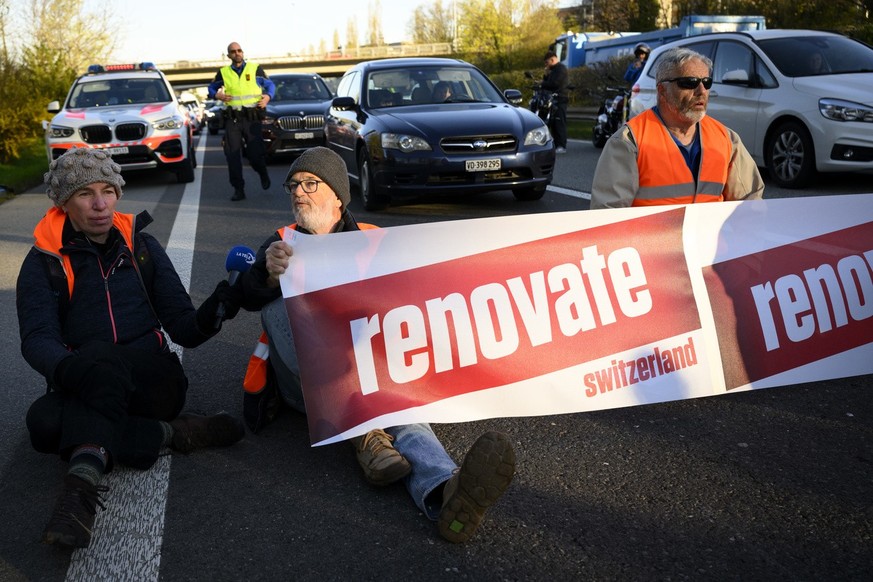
(256, 372)
(665, 178)
(48, 232)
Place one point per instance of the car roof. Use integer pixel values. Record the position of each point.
(411, 62)
(754, 35)
(294, 76)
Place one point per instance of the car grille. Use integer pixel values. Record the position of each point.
(95, 134)
(130, 131)
(291, 122)
(478, 144)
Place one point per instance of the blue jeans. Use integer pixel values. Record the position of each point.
(431, 464)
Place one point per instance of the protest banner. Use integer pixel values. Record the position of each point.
(578, 311)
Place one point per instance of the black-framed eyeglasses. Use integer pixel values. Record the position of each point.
(309, 186)
(690, 82)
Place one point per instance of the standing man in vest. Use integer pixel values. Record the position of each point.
(245, 90)
(673, 153)
(455, 498)
(97, 297)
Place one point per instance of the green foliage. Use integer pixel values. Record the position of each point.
(502, 35)
(26, 171)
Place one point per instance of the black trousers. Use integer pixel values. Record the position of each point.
(152, 387)
(558, 124)
(243, 130)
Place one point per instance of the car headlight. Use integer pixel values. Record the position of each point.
(404, 143)
(839, 110)
(174, 122)
(538, 136)
(59, 131)
(268, 120)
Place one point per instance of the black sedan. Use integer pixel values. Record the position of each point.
(295, 116)
(408, 127)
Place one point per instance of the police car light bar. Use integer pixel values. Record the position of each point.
(144, 66)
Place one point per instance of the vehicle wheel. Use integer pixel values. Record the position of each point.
(790, 156)
(529, 194)
(369, 196)
(598, 138)
(185, 169)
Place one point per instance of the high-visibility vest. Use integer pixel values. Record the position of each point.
(665, 178)
(243, 89)
(48, 232)
(255, 379)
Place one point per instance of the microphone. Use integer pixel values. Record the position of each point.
(238, 261)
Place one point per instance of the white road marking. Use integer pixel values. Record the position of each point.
(568, 192)
(129, 533)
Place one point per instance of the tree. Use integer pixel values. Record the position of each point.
(352, 34)
(79, 38)
(374, 25)
(432, 24)
(501, 35)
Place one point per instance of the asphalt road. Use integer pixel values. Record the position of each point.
(769, 485)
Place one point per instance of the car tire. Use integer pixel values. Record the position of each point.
(790, 155)
(366, 184)
(529, 194)
(185, 169)
(598, 137)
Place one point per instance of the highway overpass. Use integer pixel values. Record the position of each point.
(188, 74)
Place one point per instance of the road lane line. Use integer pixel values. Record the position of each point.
(128, 535)
(568, 192)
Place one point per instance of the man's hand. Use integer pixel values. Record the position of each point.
(278, 255)
(264, 100)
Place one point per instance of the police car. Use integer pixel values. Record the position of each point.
(129, 111)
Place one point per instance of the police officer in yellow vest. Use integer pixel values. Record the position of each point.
(674, 153)
(245, 90)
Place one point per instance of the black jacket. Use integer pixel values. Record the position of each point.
(109, 301)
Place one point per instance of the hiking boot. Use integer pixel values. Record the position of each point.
(72, 520)
(238, 194)
(485, 474)
(194, 431)
(381, 462)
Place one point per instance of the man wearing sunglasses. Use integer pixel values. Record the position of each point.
(673, 153)
(318, 185)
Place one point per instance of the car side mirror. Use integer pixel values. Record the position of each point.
(513, 96)
(53, 107)
(343, 103)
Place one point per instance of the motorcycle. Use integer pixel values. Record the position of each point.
(613, 113)
(543, 101)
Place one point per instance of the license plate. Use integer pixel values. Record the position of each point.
(304, 135)
(115, 151)
(483, 165)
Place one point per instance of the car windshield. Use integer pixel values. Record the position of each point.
(420, 85)
(299, 89)
(106, 92)
(804, 56)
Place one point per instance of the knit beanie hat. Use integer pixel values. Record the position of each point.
(77, 168)
(327, 165)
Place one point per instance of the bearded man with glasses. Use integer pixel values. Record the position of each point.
(456, 498)
(673, 153)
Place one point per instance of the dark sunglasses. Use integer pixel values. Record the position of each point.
(690, 82)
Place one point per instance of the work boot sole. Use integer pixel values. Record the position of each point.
(485, 474)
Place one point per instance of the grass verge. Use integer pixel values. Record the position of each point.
(27, 171)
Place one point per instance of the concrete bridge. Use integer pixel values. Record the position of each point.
(187, 74)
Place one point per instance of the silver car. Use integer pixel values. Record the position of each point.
(801, 100)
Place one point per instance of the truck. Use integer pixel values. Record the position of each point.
(585, 48)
